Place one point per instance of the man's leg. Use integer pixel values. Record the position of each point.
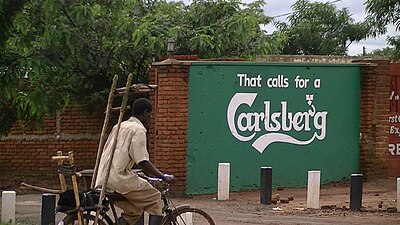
(155, 220)
(131, 214)
(148, 199)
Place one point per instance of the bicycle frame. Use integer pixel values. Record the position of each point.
(169, 209)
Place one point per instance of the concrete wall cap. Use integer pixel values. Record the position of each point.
(172, 62)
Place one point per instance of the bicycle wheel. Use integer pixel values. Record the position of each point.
(88, 219)
(189, 216)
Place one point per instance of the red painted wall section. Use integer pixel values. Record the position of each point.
(393, 155)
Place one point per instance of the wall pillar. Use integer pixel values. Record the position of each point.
(168, 133)
(374, 115)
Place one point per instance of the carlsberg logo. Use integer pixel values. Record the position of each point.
(274, 125)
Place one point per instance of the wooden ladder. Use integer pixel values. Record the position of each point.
(114, 92)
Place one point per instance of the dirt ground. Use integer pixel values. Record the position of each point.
(378, 200)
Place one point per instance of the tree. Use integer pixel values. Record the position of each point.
(8, 9)
(391, 52)
(320, 29)
(62, 50)
(380, 15)
(70, 49)
(226, 28)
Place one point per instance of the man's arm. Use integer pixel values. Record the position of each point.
(150, 169)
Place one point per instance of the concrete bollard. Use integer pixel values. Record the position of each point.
(48, 216)
(398, 194)
(313, 189)
(223, 181)
(356, 189)
(266, 185)
(8, 207)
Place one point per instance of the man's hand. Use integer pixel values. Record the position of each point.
(168, 177)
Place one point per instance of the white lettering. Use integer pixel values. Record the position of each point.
(236, 101)
(391, 149)
(246, 81)
(317, 83)
(394, 149)
(274, 121)
(320, 126)
(278, 82)
(301, 83)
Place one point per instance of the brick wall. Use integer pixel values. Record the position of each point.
(374, 114)
(171, 78)
(168, 133)
(30, 152)
(78, 130)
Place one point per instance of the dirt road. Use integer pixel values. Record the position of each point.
(244, 207)
(379, 198)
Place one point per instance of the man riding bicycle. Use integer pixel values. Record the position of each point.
(131, 149)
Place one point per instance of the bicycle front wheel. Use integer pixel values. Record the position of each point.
(189, 216)
(88, 219)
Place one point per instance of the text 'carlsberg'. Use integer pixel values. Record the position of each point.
(276, 124)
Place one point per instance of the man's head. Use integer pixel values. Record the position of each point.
(143, 110)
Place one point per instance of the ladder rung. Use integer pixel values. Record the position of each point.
(115, 109)
(136, 88)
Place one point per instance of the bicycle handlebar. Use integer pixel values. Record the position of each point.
(154, 179)
(150, 179)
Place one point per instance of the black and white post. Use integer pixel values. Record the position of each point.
(266, 185)
(398, 194)
(313, 189)
(8, 207)
(356, 189)
(48, 206)
(223, 180)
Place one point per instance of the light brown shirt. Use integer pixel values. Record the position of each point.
(131, 148)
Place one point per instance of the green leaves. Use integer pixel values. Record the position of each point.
(71, 49)
(320, 29)
(381, 13)
(225, 29)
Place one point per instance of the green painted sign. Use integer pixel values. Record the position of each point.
(291, 117)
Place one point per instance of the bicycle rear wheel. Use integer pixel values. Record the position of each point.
(189, 216)
(88, 219)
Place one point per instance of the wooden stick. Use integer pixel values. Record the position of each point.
(60, 158)
(121, 115)
(41, 189)
(137, 88)
(60, 175)
(104, 130)
(76, 191)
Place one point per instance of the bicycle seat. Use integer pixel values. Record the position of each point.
(110, 194)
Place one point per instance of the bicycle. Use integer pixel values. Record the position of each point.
(180, 215)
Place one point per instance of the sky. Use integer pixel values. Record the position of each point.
(356, 8)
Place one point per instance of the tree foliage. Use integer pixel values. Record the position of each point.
(320, 29)
(391, 52)
(55, 51)
(8, 9)
(380, 15)
(220, 28)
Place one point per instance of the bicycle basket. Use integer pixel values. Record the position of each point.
(67, 202)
